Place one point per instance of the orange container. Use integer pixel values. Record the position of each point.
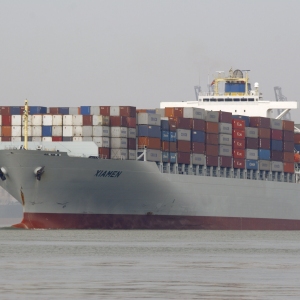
(174, 112)
(173, 147)
(87, 120)
(148, 142)
(288, 167)
(211, 127)
(212, 150)
(6, 131)
(297, 138)
(238, 124)
(264, 133)
(165, 146)
(184, 146)
(104, 153)
(288, 157)
(104, 110)
(288, 125)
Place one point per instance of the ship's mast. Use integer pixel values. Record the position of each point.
(25, 114)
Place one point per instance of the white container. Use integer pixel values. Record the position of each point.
(101, 131)
(95, 110)
(153, 155)
(225, 128)
(264, 165)
(37, 120)
(131, 133)
(47, 120)
(16, 139)
(16, 131)
(276, 124)
(276, 166)
(57, 131)
(118, 154)
(132, 154)
(183, 134)
(251, 132)
(225, 139)
(87, 130)
(159, 111)
(225, 150)
(57, 120)
(67, 120)
(118, 143)
(73, 110)
(114, 111)
(29, 128)
(46, 139)
(36, 130)
(118, 132)
(77, 120)
(100, 120)
(29, 120)
(77, 139)
(68, 131)
(198, 159)
(16, 120)
(87, 139)
(38, 139)
(103, 142)
(212, 116)
(77, 131)
(148, 119)
(252, 154)
(194, 113)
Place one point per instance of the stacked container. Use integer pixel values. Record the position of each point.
(225, 139)
(288, 146)
(238, 141)
(212, 138)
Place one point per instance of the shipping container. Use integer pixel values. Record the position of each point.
(47, 120)
(101, 131)
(183, 158)
(165, 156)
(102, 142)
(153, 155)
(46, 139)
(5, 110)
(131, 154)
(251, 164)
(53, 110)
(251, 154)
(46, 131)
(264, 154)
(29, 130)
(148, 119)
(225, 128)
(104, 120)
(57, 120)
(276, 134)
(238, 124)
(277, 166)
(173, 136)
(264, 165)
(37, 120)
(35, 110)
(77, 138)
(225, 139)
(121, 154)
(238, 163)
(67, 120)
(77, 131)
(288, 125)
(212, 139)
(225, 117)
(211, 127)
(225, 150)
(182, 123)
(225, 161)
(15, 110)
(238, 153)
(288, 157)
(183, 146)
(173, 146)
(104, 110)
(165, 136)
(165, 146)
(114, 111)
(119, 132)
(276, 155)
(238, 133)
(288, 167)
(198, 136)
(94, 110)
(57, 131)
(67, 131)
(148, 142)
(63, 110)
(160, 111)
(288, 136)
(264, 144)
(16, 139)
(276, 145)
(77, 120)
(164, 125)
(246, 119)
(183, 135)
(260, 122)
(16, 120)
(23, 120)
(131, 122)
(131, 144)
(74, 110)
(212, 161)
(198, 148)
(6, 138)
(194, 113)
(276, 124)
(251, 143)
(57, 139)
(212, 116)
(104, 153)
(6, 120)
(197, 124)
(288, 146)
(149, 130)
(87, 120)
(238, 143)
(118, 121)
(251, 132)
(173, 157)
(131, 133)
(16, 131)
(198, 159)
(87, 138)
(212, 150)
(128, 111)
(173, 112)
(172, 125)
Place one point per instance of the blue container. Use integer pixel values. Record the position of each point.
(198, 136)
(15, 110)
(165, 156)
(46, 130)
(36, 110)
(150, 111)
(297, 147)
(276, 145)
(264, 154)
(149, 131)
(165, 136)
(63, 110)
(245, 118)
(251, 164)
(85, 110)
(173, 136)
(173, 157)
(164, 125)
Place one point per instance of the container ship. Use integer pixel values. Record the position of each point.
(220, 162)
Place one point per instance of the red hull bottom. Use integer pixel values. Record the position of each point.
(93, 221)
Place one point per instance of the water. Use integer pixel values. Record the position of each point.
(94, 264)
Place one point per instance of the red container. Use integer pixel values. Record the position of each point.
(128, 111)
(54, 110)
(4, 110)
(225, 117)
(264, 133)
(6, 120)
(238, 153)
(57, 139)
(131, 144)
(288, 146)
(288, 157)
(288, 125)
(238, 133)
(172, 124)
(198, 148)
(212, 161)
(6, 131)
(173, 147)
(104, 153)
(197, 124)
(148, 142)
(118, 121)
(105, 110)
(297, 138)
(238, 124)
(238, 163)
(184, 146)
(264, 144)
(276, 134)
(212, 139)
(131, 122)
(288, 167)
(288, 136)
(226, 161)
(212, 150)
(238, 143)
(6, 139)
(183, 158)
(165, 146)
(87, 120)
(251, 143)
(212, 127)
(276, 155)
(181, 123)
(260, 122)
(174, 112)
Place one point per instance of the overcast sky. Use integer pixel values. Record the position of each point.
(72, 53)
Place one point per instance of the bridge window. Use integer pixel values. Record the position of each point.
(237, 99)
(251, 99)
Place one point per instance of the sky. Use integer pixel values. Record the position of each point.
(139, 53)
